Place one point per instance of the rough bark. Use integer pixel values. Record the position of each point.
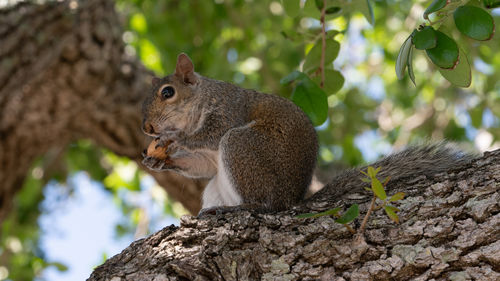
(449, 230)
(64, 75)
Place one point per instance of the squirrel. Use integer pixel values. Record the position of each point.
(258, 150)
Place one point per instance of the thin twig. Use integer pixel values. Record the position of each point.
(351, 230)
(365, 220)
(323, 45)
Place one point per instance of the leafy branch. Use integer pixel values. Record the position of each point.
(472, 21)
(378, 190)
(317, 79)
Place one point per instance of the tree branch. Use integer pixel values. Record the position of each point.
(450, 226)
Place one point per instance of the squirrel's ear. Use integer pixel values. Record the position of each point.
(155, 81)
(185, 69)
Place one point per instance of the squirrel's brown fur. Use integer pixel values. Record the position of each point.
(267, 144)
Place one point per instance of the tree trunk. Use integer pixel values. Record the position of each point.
(449, 230)
(65, 75)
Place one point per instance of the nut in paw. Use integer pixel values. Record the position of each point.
(156, 156)
(156, 151)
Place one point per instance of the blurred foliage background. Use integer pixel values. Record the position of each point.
(255, 44)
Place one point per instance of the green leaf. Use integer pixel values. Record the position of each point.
(332, 33)
(474, 22)
(313, 58)
(445, 54)
(410, 66)
(333, 81)
(312, 100)
(331, 212)
(309, 97)
(365, 8)
(378, 189)
(310, 9)
(319, 4)
(435, 6)
(349, 215)
(371, 172)
(295, 75)
(491, 4)
(150, 55)
(425, 38)
(460, 75)
(292, 7)
(397, 196)
(391, 212)
(402, 59)
(138, 23)
(332, 10)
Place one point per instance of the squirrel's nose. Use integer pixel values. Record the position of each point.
(148, 128)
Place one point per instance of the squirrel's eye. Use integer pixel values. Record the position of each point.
(168, 92)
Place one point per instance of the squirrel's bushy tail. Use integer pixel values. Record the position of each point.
(414, 161)
(425, 160)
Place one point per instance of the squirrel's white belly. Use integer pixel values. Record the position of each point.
(220, 190)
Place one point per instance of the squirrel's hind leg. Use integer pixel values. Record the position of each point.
(220, 190)
(254, 163)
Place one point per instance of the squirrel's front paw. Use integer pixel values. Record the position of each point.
(157, 164)
(152, 162)
(170, 140)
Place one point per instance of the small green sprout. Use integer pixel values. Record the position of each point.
(378, 189)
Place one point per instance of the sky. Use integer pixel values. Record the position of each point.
(79, 231)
